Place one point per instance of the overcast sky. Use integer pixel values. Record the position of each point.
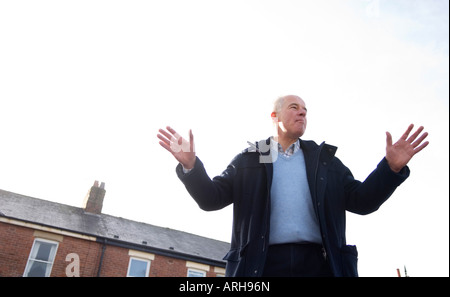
(85, 86)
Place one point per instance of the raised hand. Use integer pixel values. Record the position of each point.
(401, 152)
(180, 148)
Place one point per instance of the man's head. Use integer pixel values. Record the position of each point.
(289, 113)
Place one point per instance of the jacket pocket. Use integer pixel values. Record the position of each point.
(349, 256)
(232, 258)
(232, 255)
(235, 262)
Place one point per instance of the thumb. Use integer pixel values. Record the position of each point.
(191, 140)
(388, 139)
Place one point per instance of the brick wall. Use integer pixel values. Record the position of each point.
(89, 255)
(164, 266)
(115, 262)
(15, 246)
(16, 243)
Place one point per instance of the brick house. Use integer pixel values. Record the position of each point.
(43, 238)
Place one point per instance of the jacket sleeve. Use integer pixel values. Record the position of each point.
(366, 197)
(209, 194)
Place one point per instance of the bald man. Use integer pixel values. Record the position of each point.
(290, 196)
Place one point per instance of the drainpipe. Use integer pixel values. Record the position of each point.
(101, 258)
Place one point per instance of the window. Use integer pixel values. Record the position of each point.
(196, 269)
(40, 261)
(138, 267)
(196, 273)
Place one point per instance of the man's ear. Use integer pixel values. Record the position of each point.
(274, 117)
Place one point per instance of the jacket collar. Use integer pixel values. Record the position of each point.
(308, 146)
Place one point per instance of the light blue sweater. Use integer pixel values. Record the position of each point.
(292, 217)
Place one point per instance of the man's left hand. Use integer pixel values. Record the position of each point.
(401, 152)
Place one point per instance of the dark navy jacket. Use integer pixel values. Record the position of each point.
(246, 184)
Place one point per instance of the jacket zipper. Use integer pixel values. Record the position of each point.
(317, 161)
(264, 235)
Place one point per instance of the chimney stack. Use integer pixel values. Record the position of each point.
(93, 202)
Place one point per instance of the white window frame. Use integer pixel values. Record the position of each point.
(196, 271)
(31, 261)
(147, 271)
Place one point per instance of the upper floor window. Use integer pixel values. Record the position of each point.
(40, 261)
(196, 273)
(138, 267)
(195, 269)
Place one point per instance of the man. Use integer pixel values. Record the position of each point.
(290, 196)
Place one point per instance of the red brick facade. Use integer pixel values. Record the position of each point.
(17, 238)
(15, 246)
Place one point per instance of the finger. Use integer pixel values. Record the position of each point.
(191, 141)
(167, 147)
(418, 149)
(175, 139)
(172, 147)
(388, 139)
(419, 141)
(414, 136)
(174, 133)
(167, 135)
(163, 139)
(405, 135)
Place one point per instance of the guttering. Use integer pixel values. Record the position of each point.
(162, 252)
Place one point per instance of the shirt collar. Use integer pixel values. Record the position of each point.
(292, 149)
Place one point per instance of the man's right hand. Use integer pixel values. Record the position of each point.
(180, 148)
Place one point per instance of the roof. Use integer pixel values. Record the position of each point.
(114, 229)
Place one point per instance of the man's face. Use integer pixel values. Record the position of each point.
(292, 117)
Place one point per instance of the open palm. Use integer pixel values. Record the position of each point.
(401, 152)
(181, 149)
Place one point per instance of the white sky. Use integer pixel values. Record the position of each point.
(85, 86)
